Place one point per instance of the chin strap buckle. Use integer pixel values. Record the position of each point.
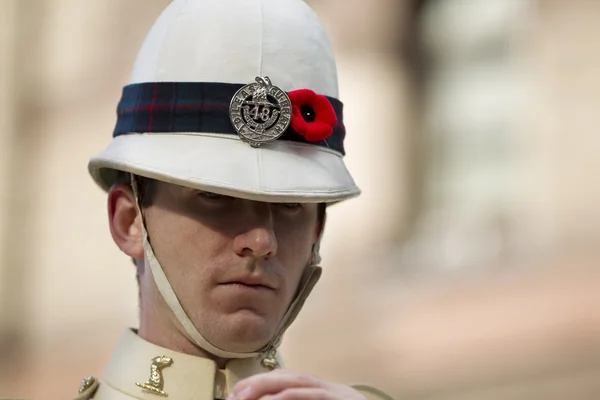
(269, 359)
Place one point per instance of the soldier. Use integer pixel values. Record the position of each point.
(227, 149)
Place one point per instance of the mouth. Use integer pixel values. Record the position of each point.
(252, 286)
(250, 283)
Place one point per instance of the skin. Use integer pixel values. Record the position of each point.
(235, 265)
(287, 385)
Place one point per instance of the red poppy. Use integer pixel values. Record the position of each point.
(313, 115)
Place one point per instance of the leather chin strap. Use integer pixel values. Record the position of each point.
(310, 276)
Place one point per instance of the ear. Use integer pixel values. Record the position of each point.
(124, 221)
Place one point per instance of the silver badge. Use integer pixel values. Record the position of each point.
(260, 112)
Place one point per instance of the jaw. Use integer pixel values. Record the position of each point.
(244, 330)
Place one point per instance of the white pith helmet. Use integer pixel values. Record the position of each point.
(164, 126)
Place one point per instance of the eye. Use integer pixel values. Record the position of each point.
(213, 196)
(291, 206)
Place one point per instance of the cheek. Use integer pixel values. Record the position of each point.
(294, 240)
(297, 234)
(294, 247)
(186, 250)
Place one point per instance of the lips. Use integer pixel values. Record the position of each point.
(249, 287)
(251, 282)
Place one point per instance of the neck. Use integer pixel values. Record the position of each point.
(165, 331)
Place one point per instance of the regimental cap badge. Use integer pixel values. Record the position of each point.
(260, 112)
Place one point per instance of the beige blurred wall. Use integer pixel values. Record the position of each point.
(564, 120)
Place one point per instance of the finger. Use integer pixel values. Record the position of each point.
(271, 383)
(301, 394)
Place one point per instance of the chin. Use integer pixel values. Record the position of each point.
(245, 331)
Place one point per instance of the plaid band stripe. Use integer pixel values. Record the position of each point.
(163, 107)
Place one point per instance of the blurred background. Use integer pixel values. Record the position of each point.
(466, 270)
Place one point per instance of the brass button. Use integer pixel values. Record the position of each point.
(270, 363)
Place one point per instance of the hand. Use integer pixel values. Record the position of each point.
(287, 385)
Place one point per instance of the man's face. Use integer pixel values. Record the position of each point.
(235, 264)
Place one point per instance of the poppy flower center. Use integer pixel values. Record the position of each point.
(308, 113)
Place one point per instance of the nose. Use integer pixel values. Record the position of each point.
(258, 239)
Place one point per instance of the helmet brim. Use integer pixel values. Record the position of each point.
(281, 171)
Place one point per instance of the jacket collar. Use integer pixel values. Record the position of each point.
(141, 369)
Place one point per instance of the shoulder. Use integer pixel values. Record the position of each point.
(87, 388)
(371, 393)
